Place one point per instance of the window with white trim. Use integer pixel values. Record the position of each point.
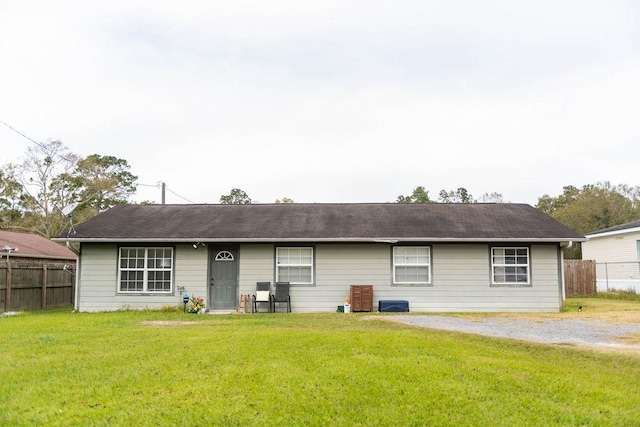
(411, 265)
(145, 270)
(510, 266)
(294, 265)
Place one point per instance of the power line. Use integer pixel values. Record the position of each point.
(159, 184)
(176, 194)
(39, 144)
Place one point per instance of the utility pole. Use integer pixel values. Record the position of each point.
(163, 186)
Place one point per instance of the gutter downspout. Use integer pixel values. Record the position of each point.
(562, 282)
(76, 294)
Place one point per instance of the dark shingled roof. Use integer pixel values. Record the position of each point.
(364, 222)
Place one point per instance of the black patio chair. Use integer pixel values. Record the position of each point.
(281, 295)
(262, 295)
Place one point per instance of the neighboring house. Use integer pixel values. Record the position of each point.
(438, 257)
(33, 248)
(34, 272)
(616, 251)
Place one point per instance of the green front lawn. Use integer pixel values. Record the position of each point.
(146, 368)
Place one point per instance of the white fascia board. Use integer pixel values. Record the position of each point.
(389, 240)
(613, 233)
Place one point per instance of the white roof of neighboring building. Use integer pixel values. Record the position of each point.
(629, 227)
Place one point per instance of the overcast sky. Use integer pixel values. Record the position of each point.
(330, 101)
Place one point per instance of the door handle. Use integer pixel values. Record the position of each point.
(213, 282)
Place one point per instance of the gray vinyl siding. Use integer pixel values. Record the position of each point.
(340, 266)
(336, 268)
(256, 265)
(461, 278)
(462, 282)
(99, 279)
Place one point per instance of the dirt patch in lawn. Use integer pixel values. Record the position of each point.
(632, 338)
(619, 317)
(591, 309)
(168, 323)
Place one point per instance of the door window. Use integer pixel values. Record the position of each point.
(224, 256)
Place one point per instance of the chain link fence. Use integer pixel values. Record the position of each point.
(618, 276)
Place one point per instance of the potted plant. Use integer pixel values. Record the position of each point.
(196, 305)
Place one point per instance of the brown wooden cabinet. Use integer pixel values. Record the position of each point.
(361, 297)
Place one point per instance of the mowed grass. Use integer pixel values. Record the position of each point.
(152, 368)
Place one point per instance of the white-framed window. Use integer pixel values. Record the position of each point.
(411, 265)
(510, 266)
(145, 270)
(294, 265)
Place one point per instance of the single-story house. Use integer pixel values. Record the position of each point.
(616, 251)
(438, 257)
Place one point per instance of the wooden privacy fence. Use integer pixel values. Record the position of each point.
(30, 286)
(579, 277)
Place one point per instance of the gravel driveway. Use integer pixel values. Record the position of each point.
(590, 333)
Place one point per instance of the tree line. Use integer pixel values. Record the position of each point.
(459, 195)
(36, 193)
(585, 209)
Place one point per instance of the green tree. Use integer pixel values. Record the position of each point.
(10, 192)
(592, 207)
(33, 193)
(549, 204)
(461, 195)
(236, 197)
(102, 182)
(419, 195)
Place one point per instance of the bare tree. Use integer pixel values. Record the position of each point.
(491, 198)
(42, 190)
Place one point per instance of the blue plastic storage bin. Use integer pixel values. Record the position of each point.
(396, 305)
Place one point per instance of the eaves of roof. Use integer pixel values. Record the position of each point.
(320, 240)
